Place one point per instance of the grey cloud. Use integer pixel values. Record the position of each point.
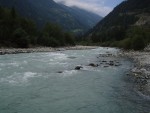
(95, 6)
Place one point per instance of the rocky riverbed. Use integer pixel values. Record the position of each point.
(141, 70)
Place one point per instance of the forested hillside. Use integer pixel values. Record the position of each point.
(127, 26)
(42, 11)
(19, 32)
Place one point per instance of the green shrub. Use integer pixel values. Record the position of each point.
(126, 43)
(138, 42)
(20, 38)
(69, 39)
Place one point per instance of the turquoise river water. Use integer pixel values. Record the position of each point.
(30, 83)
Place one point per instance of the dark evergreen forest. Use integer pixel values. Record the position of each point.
(19, 32)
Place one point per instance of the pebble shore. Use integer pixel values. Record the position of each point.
(141, 70)
(4, 51)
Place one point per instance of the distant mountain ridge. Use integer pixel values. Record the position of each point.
(70, 18)
(127, 26)
(128, 13)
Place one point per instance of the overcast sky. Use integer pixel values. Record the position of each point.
(101, 7)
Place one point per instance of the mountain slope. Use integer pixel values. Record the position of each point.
(84, 18)
(43, 11)
(126, 15)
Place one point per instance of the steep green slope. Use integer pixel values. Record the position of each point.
(43, 11)
(124, 19)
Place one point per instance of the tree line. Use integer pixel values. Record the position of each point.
(19, 32)
(134, 37)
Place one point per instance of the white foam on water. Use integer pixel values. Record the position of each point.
(89, 68)
(25, 62)
(14, 64)
(58, 56)
(7, 80)
(10, 79)
(21, 67)
(68, 73)
(28, 75)
(2, 64)
(51, 60)
(19, 78)
(92, 69)
(58, 63)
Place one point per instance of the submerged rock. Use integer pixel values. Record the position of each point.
(104, 61)
(72, 57)
(60, 72)
(105, 66)
(117, 65)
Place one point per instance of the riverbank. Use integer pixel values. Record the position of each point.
(141, 70)
(4, 51)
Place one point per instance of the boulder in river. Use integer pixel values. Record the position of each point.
(104, 61)
(111, 63)
(78, 67)
(93, 65)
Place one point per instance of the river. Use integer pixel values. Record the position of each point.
(48, 83)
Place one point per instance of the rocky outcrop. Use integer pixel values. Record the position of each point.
(144, 19)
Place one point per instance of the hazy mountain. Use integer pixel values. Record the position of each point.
(42, 11)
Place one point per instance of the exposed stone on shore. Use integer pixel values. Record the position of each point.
(141, 70)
